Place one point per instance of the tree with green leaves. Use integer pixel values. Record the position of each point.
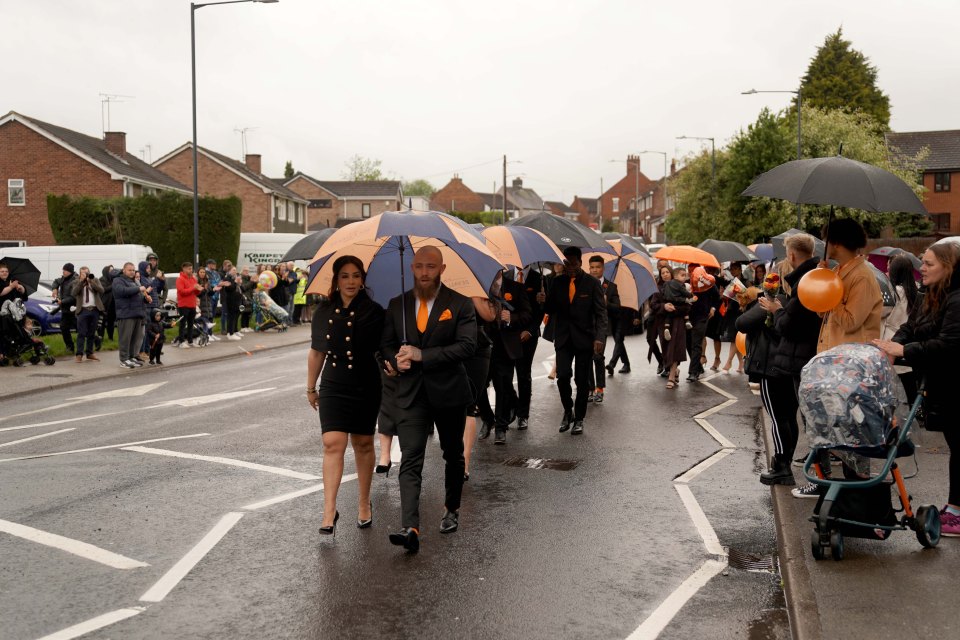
(362, 169)
(840, 77)
(288, 171)
(418, 187)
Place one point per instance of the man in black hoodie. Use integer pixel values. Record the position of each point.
(63, 293)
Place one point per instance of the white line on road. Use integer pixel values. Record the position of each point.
(65, 420)
(716, 435)
(42, 435)
(668, 609)
(109, 446)
(703, 466)
(116, 393)
(179, 571)
(700, 521)
(93, 624)
(227, 461)
(199, 400)
(294, 494)
(77, 548)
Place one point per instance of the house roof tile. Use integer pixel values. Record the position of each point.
(258, 178)
(355, 188)
(944, 147)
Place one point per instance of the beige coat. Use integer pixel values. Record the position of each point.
(857, 317)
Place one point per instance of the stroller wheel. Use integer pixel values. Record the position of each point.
(836, 545)
(928, 526)
(16, 361)
(34, 359)
(815, 547)
(49, 361)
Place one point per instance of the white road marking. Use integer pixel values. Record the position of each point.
(42, 435)
(77, 548)
(57, 406)
(178, 572)
(700, 521)
(258, 383)
(127, 392)
(65, 420)
(716, 435)
(703, 466)
(668, 609)
(294, 494)
(109, 446)
(199, 400)
(93, 624)
(227, 461)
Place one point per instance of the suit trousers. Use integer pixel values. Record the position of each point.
(414, 426)
(574, 363)
(619, 350)
(525, 378)
(130, 336)
(598, 376)
(695, 345)
(86, 330)
(501, 374)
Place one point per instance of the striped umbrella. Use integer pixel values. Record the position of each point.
(386, 244)
(520, 246)
(630, 270)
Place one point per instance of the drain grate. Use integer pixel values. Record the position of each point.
(49, 375)
(749, 562)
(556, 464)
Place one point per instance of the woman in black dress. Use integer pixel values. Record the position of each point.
(345, 337)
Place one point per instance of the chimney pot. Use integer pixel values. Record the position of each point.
(116, 142)
(253, 162)
(518, 183)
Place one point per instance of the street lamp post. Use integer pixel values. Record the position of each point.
(799, 94)
(713, 167)
(664, 154)
(193, 83)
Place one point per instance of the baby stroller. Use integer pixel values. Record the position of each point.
(854, 406)
(268, 314)
(16, 339)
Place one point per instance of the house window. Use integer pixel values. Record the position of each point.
(616, 205)
(941, 182)
(941, 221)
(280, 211)
(321, 204)
(16, 197)
(365, 209)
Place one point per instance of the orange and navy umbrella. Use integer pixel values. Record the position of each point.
(520, 246)
(630, 270)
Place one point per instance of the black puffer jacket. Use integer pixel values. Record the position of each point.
(762, 341)
(799, 328)
(931, 345)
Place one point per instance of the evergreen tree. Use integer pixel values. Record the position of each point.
(840, 77)
(288, 170)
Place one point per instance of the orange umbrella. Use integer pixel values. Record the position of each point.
(687, 254)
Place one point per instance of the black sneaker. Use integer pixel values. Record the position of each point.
(598, 396)
(126, 364)
(567, 420)
(809, 490)
(450, 522)
(626, 369)
(577, 428)
(500, 437)
(484, 430)
(590, 397)
(609, 369)
(522, 424)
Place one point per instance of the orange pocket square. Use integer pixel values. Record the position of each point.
(446, 315)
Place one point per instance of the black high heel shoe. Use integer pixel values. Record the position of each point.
(332, 529)
(384, 468)
(366, 524)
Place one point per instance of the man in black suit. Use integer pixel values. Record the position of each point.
(432, 386)
(578, 314)
(514, 319)
(532, 283)
(611, 295)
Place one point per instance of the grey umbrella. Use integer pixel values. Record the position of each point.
(306, 248)
(839, 182)
(629, 241)
(780, 251)
(728, 251)
(563, 232)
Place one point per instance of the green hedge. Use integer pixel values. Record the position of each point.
(163, 222)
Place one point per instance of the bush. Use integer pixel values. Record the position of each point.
(163, 222)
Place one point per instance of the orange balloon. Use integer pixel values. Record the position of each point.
(742, 343)
(820, 290)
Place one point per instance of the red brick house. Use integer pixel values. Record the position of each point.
(619, 200)
(456, 196)
(268, 207)
(37, 159)
(586, 210)
(333, 202)
(562, 210)
(941, 168)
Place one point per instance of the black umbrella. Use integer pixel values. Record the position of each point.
(563, 232)
(306, 248)
(24, 272)
(837, 181)
(780, 251)
(728, 251)
(629, 241)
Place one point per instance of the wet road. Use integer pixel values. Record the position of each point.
(203, 521)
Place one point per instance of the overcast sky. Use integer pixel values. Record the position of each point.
(434, 87)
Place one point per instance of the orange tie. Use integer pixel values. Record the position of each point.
(520, 277)
(422, 315)
(573, 289)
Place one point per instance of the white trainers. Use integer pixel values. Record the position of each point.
(214, 338)
(184, 345)
(234, 336)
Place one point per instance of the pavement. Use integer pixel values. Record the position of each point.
(880, 589)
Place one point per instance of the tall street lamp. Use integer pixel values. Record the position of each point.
(713, 167)
(193, 80)
(664, 154)
(799, 94)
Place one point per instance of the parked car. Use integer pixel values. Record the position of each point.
(40, 306)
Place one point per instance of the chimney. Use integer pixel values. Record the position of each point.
(518, 183)
(253, 162)
(116, 142)
(673, 166)
(633, 164)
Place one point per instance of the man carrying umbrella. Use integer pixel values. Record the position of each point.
(428, 334)
(578, 313)
(513, 321)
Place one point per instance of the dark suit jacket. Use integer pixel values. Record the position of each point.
(582, 322)
(531, 285)
(445, 345)
(506, 340)
(612, 296)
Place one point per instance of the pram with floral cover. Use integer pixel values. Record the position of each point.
(854, 406)
(16, 339)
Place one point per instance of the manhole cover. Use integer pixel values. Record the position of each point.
(49, 375)
(749, 562)
(541, 463)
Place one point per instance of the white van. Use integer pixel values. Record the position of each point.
(265, 248)
(50, 259)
